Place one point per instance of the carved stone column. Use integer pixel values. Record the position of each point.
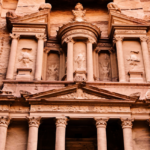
(89, 60)
(60, 133)
(145, 56)
(70, 43)
(61, 65)
(4, 122)
(101, 133)
(12, 56)
(127, 133)
(33, 133)
(97, 64)
(120, 58)
(39, 57)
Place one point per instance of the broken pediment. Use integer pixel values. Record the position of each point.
(117, 18)
(42, 16)
(78, 91)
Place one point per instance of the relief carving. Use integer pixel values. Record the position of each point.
(45, 6)
(133, 59)
(4, 107)
(53, 73)
(105, 68)
(79, 95)
(127, 122)
(61, 122)
(79, 108)
(25, 58)
(4, 121)
(34, 121)
(79, 13)
(80, 62)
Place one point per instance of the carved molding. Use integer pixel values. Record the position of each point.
(4, 121)
(101, 122)
(4, 107)
(127, 122)
(34, 121)
(130, 32)
(61, 122)
(114, 7)
(144, 38)
(28, 30)
(41, 37)
(14, 36)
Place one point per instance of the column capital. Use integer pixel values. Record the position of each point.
(61, 122)
(41, 37)
(90, 40)
(4, 121)
(34, 121)
(127, 122)
(14, 35)
(69, 40)
(118, 38)
(101, 122)
(144, 38)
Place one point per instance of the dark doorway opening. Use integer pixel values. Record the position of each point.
(81, 134)
(114, 135)
(46, 137)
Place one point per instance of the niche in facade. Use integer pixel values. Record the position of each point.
(53, 62)
(104, 66)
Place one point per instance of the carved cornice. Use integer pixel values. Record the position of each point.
(144, 38)
(14, 36)
(127, 122)
(41, 37)
(4, 121)
(61, 122)
(101, 122)
(34, 121)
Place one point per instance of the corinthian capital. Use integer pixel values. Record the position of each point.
(34, 121)
(41, 37)
(144, 38)
(4, 121)
(127, 122)
(90, 40)
(118, 38)
(61, 122)
(69, 39)
(14, 36)
(101, 122)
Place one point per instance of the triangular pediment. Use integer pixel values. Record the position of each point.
(78, 91)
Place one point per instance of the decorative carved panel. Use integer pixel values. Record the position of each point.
(53, 62)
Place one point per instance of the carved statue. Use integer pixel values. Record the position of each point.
(113, 6)
(105, 67)
(79, 13)
(25, 58)
(53, 73)
(80, 61)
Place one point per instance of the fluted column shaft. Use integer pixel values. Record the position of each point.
(120, 58)
(60, 133)
(97, 65)
(145, 56)
(4, 122)
(12, 56)
(101, 133)
(89, 60)
(70, 43)
(39, 57)
(33, 133)
(127, 133)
